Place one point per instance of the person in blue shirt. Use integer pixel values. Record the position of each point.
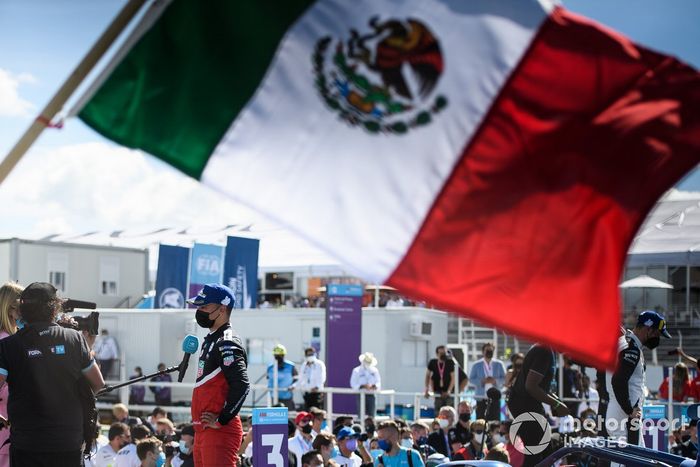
(486, 373)
(286, 377)
(394, 455)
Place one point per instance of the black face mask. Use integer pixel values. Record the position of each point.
(464, 417)
(306, 429)
(488, 354)
(203, 319)
(443, 357)
(652, 342)
(685, 439)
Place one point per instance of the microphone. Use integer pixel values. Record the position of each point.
(189, 346)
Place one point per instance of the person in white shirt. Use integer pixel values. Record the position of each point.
(312, 378)
(127, 456)
(394, 302)
(347, 444)
(301, 443)
(366, 376)
(106, 352)
(119, 436)
(590, 396)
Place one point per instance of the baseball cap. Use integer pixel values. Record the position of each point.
(37, 293)
(652, 319)
(346, 432)
(214, 293)
(301, 416)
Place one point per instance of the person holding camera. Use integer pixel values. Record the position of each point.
(44, 366)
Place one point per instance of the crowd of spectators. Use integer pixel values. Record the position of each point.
(134, 442)
(386, 300)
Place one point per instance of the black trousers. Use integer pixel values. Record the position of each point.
(313, 399)
(31, 458)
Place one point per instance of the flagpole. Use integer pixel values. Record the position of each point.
(104, 42)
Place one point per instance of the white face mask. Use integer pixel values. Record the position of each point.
(479, 437)
(443, 423)
(497, 438)
(310, 358)
(407, 443)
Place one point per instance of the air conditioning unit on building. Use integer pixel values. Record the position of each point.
(421, 329)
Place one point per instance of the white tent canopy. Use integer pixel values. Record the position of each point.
(644, 282)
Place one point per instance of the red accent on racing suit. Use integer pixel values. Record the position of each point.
(222, 377)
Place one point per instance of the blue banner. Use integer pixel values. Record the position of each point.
(241, 270)
(206, 266)
(171, 280)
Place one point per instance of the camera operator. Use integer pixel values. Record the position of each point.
(44, 365)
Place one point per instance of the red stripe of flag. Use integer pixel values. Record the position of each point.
(531, 231)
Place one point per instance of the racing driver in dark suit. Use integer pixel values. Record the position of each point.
(222, 381)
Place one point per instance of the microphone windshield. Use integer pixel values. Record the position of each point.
(190, 344)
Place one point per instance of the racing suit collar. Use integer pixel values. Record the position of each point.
(217, 333)
(636, 340)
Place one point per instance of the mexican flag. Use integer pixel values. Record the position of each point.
(492, 158)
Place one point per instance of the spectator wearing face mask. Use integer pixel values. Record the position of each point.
(127, 456)
(486, 373)
(476, 448)
(394, 455)
(494, 438)
(312, 379)
(347, 444)
(366, 376)
(301, 443)
(119, 436)
(148, 451)
(461, 429)
(419, 430)
(286, 377)
(440, 439)
(185, 458)
(439, 377)
(319, 417)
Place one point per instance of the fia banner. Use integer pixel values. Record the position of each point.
(241, 270)
(343, 340)
(206, 266)
(270, 437)
(171, 278)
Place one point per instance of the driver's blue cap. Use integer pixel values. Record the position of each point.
(214, 293)
(652, 319)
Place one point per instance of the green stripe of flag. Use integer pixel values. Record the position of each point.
(181, 86)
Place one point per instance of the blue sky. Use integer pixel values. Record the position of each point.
(42, 40)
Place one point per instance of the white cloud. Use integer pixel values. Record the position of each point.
(11, 104)
(87, 187)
